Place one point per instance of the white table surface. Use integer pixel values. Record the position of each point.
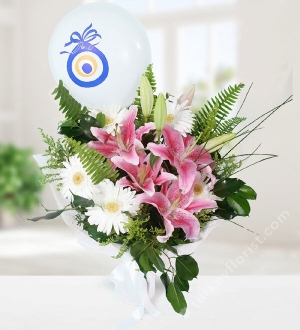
(89, 303)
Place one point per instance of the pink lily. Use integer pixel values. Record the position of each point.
(177, 210)
(143, 177)
(123, 144)
(183, 154)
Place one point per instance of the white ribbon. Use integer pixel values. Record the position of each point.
(130, 284)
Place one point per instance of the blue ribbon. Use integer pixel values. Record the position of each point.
(87, 36)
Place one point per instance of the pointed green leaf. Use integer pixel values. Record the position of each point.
(240, 204)
(70, 131)
(137, 249)
(153, 159)
(165, 280)
(146, 265)
(181, 284)
(176, 298)
(186, 267)
(86, 122)
(247, 192)
(156, 259)
(48, 216)
(83, 202)
(227, 187)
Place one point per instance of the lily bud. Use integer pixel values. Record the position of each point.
(160, 113)
(146, 94)
(218, 142)
(187, 96)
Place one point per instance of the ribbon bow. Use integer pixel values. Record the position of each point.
(87, 36)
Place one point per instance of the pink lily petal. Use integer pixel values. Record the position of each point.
(148, 187)
(101, 134)
(107, 150)
(127, 183)
(130, 169)
(160, 150)
(130, 156)
(201, 156)
(169, 230)
(144, 129)
(158, 200)
(173, 192)
(188, 222)
(201, 204)
(163, 177)
(187, 172)
(128, 128)
(175, 196)
(174, 141)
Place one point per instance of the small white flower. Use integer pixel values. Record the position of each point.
(180, 117)
(114, 116)
(203, 191)
(109, 208)
(76, 180)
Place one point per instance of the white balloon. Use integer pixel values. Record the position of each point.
(100, 51)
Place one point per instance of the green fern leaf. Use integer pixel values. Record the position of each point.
(228, 125)
(93, 162)
(223, 102)
(67, 104)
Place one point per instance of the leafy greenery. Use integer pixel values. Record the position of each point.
(93, 162)
(57, 152)
(19, 179)
(67, 104)
(226, 166)
(210, 120)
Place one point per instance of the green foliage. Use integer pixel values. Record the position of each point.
(176, 298)
(236, 199)
(210, 120)
(226, 166)
(247, 192)
(57, 152)
(48, 216)
(67, 104)
(93, 162)
(204, 216)
(186, 267)
(224, 188)
(19, 179)
(228, 125)
(240, 204)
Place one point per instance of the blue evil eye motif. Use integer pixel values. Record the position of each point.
(87, 66)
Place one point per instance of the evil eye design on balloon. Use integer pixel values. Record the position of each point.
(87, 66)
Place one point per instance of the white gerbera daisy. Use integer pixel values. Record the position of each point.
(114, 116)
(180, 117)
(109, 208)
(202, 190)
(75, 180)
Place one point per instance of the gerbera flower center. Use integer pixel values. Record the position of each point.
(108, 120)
(78, 178)
(112, 207)
(169, 118)
(198, 189)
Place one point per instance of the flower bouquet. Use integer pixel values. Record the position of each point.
(148, 183)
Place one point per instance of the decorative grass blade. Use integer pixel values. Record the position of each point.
(94, 163)
(67, 104)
